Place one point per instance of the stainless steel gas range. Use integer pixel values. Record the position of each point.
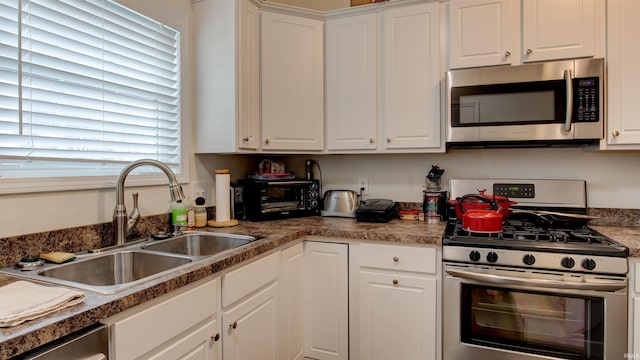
(545, 287)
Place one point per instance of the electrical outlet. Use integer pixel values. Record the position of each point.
(363, 186)
(199, 189)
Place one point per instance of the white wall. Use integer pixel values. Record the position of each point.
(612, 181)
(613, 178)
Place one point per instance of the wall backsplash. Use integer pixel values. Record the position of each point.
(83, 238)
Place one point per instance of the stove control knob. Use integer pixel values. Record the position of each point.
(567, 262)
(474, 255)
(492, 257)
(589, 264)
(529, 259)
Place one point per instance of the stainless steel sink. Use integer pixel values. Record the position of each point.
(119, 268)
(200, 243)
(115, 269)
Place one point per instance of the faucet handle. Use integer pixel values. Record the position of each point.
(134, 216)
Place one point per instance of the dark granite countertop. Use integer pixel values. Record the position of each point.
(22, 338)
(19, 339)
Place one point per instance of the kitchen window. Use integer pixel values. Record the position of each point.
(85, 88)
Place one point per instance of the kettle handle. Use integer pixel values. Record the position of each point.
(493, 204)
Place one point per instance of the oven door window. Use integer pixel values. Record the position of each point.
(284, 198)
(552, 324)
(509, 104)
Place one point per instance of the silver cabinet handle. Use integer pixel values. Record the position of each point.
(395, 282)
(395, 259)
(245, 139)
(266, 141)
(615, 133)
(234, 325)
(388, 139)
(529, 51)
(507, 53)
(215, 337)
(371, 140)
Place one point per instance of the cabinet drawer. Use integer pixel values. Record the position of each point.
(143, 328)
(402, 258)
(249, 278)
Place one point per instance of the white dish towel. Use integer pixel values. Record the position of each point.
(22, 300)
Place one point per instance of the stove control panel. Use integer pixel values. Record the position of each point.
(535, 259)
(521, 191)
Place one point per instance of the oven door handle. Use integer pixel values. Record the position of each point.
(611, 285)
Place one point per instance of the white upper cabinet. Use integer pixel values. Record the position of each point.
(623, 52)
(227, 37)
(487, 32)
(292, 83)
(411, 78)
(351, 81)
(554, 29)
(480, 33)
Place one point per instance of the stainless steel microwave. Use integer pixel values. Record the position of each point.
(539, 104)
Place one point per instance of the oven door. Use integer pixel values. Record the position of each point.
(518, 314)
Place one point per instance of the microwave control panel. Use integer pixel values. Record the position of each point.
(586, 100)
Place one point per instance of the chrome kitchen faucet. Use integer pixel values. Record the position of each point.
(123, 224)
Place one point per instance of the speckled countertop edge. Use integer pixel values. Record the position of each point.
(19, 339)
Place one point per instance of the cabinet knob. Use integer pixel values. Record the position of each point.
(507, 53)
(245, 139)
(215, 337)
(395, 259)
(371, 140)
(529, 51)
(615, 133)
(234, 325)
(395, 282)
(388, 139)
(266, 141)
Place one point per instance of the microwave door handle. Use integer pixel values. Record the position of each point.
(510, 280)
(569, 89)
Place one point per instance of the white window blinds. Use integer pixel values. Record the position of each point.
(85, 86)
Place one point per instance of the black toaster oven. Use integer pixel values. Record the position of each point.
(278, 199)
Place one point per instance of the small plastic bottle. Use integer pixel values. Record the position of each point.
(179, 214)
(201, 213)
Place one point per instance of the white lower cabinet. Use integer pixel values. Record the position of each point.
(181, 325)
(292, 302)
(397, 302)
(634, 307)
(326, 273)
(250, 316)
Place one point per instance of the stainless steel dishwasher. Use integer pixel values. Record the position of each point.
(91, 343)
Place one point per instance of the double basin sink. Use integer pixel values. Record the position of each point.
(116, 270)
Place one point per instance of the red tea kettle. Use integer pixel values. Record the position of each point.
(481, 220)
(474, 202)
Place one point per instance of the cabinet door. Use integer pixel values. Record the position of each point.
(481, 33)
(248, 77)
(292, 83)
(203, 343)
(623, 52)
(411, 90)
(397, 316)
(250, 328)
(351, 81)
(292, 302)
(326, 301)
(554, 29)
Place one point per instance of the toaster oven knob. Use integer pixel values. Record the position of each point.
(313, 204)
(529, 259)
(492, 257)
(589, 264)
(567, 262)
(474, 255)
